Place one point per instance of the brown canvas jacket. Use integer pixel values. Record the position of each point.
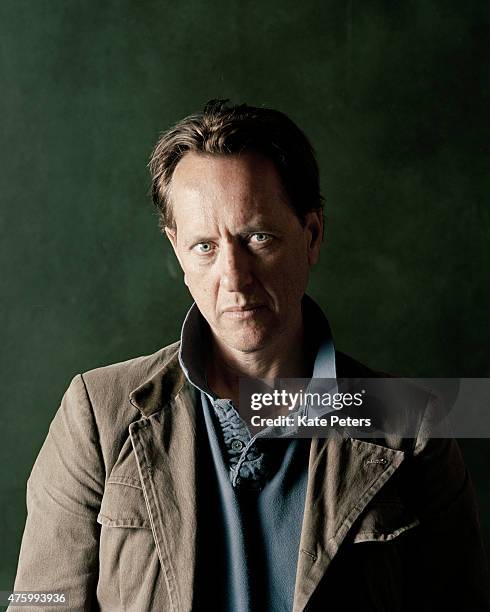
(388, 526)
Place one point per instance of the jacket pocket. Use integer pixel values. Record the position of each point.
(383, 521)
(123, 505)
(129, 569)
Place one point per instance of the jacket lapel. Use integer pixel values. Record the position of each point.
(344, 475)
(164, 443)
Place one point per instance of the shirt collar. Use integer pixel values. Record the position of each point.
(195, 339)
(194, 342)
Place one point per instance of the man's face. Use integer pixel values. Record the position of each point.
(244, 253)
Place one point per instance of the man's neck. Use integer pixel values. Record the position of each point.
(287, 357)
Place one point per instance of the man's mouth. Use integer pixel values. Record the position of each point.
(243, 312)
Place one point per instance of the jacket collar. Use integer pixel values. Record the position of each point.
(161, 388)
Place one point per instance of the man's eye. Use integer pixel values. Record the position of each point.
(203, 247)
(260, 237)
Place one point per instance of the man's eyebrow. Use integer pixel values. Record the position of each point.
(249, 229)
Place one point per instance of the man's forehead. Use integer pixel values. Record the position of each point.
(235, 175)
(244, 191)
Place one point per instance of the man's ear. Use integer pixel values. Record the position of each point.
(314, 228)
(172, 236)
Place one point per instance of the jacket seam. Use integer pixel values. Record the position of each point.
(92, 411)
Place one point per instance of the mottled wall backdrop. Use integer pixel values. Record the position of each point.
(392, 95)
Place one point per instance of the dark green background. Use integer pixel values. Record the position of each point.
(393, 96)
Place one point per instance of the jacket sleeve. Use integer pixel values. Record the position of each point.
(59, 550)
(448, 564)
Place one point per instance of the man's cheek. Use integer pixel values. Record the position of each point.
(195, 278)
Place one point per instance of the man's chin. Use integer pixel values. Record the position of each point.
(247, 342)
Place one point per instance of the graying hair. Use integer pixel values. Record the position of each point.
(221, 129)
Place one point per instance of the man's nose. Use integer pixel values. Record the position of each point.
(236, 267)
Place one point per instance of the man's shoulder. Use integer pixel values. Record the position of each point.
(403, 408)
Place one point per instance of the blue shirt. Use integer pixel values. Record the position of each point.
(251, 490)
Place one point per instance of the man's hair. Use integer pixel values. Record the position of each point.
(222, 129)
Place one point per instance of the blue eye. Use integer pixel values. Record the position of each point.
(207, 246)
(260, 237)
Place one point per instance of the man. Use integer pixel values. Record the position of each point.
(150, 493)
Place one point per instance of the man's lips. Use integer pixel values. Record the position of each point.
(242, 312)
(241, 308)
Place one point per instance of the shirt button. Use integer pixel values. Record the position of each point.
(237, 445)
